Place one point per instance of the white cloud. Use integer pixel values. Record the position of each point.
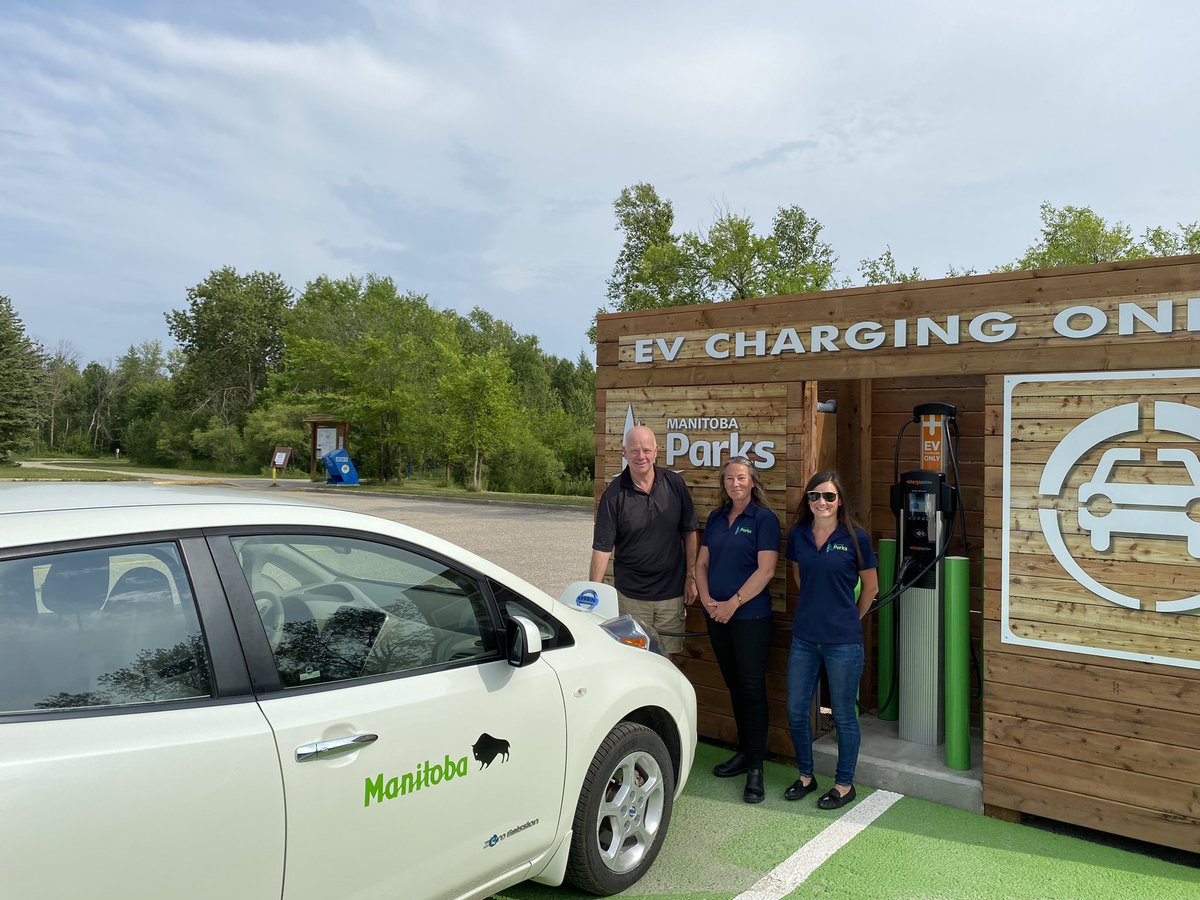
(473, 150)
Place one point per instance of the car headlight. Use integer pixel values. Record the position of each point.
(634, 632)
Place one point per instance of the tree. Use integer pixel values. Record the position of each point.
(1074, 236)
(21, 375)
(727, 261)
(231, 339)
(882, 270)
(735, 262)
(480, 407)
(1161, 241)
(359, 349)
(1077, 235)
(653, 268)
(277, 424)
(101, 388)
(646, 221)
(61, 371)
(137, 368)
(574, 384)
(479, 332)
(155, 430)
(803, 262)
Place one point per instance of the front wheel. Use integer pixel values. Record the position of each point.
(623, 812)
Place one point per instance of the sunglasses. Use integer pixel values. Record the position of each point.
(827, 496)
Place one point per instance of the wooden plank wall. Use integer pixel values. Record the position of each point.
(1098, 741)
(1030, 299)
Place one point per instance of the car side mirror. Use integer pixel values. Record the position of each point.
(524, 641)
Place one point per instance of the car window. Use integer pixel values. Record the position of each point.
(336, 608)
(554, 634)
(99, 628)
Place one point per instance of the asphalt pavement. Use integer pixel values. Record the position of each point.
(548, 546)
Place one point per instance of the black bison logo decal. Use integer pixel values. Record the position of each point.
(487, 748)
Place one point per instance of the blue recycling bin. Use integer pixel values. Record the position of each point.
(338, 468)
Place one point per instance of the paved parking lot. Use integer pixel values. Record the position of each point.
(548, 546)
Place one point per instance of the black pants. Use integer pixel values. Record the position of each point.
(741, 647)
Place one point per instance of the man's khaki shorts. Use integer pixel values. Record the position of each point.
(664, 615)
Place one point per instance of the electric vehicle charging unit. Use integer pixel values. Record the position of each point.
(924, 504)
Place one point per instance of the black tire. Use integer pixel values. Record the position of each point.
(623, 812)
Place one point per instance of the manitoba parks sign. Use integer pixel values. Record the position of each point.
(702, 428)
(1101, 541)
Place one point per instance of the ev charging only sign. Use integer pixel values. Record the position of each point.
(1101, 544)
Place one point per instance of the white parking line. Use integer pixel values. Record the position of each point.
(794, 871)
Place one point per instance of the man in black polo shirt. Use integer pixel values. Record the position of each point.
(646, 515)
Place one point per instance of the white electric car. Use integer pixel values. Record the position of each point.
(219, 694)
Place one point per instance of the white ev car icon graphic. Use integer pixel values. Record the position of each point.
(1159, 510)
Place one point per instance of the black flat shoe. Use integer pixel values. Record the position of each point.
(754, 792)
(735, 765)
(799, 789)
(831, 799)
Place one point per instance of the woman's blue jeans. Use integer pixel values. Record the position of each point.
(843, 671)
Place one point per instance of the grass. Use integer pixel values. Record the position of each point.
(27, 473)
(422, 488)
(88, 469)
(84, 464)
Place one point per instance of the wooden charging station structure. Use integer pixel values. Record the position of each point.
(1078, 400)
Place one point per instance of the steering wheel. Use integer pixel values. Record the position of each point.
(270, 610)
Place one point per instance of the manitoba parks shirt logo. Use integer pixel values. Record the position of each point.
(1102, 485)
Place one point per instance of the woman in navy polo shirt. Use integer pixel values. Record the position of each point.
(829, 553)
(736, 563)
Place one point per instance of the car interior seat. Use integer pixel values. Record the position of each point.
(141, 590)
(20, 683)
(140, 614)
(300, 649)
(74, 590)
(346, 640)
(76, 587)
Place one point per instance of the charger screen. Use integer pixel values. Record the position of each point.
(920, 504)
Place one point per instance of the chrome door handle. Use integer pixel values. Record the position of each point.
(326, 749)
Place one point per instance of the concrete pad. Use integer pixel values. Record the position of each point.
(915, 770)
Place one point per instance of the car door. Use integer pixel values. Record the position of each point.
(133, 758)
(416, 761)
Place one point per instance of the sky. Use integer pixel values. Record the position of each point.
(473, 150)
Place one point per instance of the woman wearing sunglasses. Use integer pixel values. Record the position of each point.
(829, 554)
(736, 562)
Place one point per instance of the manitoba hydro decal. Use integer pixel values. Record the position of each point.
(721, 440)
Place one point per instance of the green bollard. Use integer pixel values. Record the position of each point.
(957, 632)
(887, 630)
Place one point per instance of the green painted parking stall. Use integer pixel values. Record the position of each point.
(720, 848)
